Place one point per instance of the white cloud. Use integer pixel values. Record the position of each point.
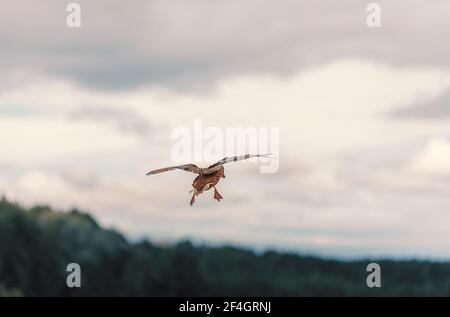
(434, 159)
(34, 140)
(339, 179)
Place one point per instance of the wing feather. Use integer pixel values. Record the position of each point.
(215, 167)
(186, 167)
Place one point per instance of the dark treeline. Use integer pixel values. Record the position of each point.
(37, 244)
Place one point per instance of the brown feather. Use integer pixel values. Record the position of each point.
(186, 167)
(207, 181)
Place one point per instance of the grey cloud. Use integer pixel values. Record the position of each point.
(125, 120)
(437, 108)
(190, 44)
(80, 179)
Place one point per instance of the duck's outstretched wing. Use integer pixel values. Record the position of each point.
(186, 167)
(215, 167)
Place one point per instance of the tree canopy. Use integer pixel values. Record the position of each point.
(37, 244)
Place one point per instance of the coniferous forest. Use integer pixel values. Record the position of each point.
(37, 244)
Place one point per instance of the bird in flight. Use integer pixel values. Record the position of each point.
(208, 177)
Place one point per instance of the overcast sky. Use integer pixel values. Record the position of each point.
(364, 117)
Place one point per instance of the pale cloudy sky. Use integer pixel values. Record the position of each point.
(364, 117)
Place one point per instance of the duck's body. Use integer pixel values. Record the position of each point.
(205, 182)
